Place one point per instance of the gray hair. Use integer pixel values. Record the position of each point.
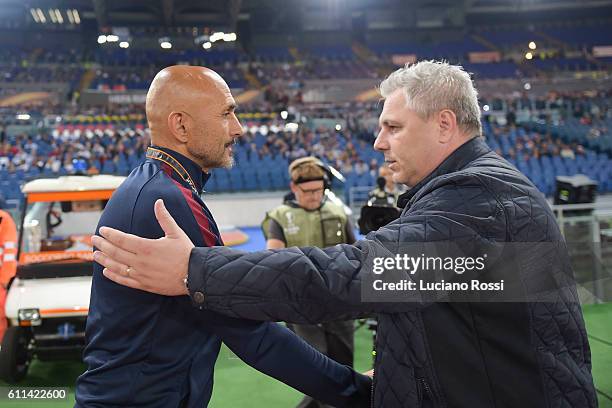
(431, 86)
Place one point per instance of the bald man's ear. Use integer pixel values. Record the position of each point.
(177, 124)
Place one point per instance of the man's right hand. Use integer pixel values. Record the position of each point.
(153, 265)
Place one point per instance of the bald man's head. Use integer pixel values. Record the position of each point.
(191, 110)
(178, 87)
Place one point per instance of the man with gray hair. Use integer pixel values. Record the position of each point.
(523, 345)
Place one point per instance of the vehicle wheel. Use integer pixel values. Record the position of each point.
(14, 355)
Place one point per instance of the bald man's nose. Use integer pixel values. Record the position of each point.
(238, 130)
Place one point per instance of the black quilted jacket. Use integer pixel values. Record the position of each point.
(429, 354)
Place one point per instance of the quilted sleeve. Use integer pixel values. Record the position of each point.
(313, 285)
(297, 285)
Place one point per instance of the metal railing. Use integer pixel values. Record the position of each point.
(580, 224)
(570, 217)
(358, 197)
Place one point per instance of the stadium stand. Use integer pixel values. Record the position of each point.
(544, 136)
(114, 144)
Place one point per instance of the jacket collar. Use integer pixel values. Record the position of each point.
(464, 154)
(196, 173)
(294, 204)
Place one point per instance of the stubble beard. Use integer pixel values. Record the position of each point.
(209, 161)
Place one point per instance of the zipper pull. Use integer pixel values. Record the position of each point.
(426, 388)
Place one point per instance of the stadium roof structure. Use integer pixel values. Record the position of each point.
(281, 13)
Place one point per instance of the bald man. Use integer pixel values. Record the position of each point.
(146, 350)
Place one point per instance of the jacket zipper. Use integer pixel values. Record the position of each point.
(372, 390)
(373, 372)
(426, 388)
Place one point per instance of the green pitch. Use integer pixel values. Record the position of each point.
(599, 328)
(238, 385)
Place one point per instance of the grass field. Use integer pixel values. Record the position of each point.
(237, 385)
(599, 327)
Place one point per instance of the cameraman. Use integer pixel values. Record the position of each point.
(312, 220)
(386, 188)
(381, 208)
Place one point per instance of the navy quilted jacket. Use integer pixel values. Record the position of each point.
(431, 354)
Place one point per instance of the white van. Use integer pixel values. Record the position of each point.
(48, 299)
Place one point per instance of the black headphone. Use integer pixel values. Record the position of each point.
(311, 160)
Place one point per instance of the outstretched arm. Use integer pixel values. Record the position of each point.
(279, 353)
(295, 285)
(298, 285)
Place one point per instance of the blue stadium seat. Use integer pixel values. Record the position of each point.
(236, 181)
(108, 167)
(277, 179)
(264, 180)
(251, 183)
(211, 185)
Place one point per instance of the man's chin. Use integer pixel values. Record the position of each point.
(396, 177)
(226, 162)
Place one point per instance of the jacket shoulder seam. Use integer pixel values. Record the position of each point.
(142, 188)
